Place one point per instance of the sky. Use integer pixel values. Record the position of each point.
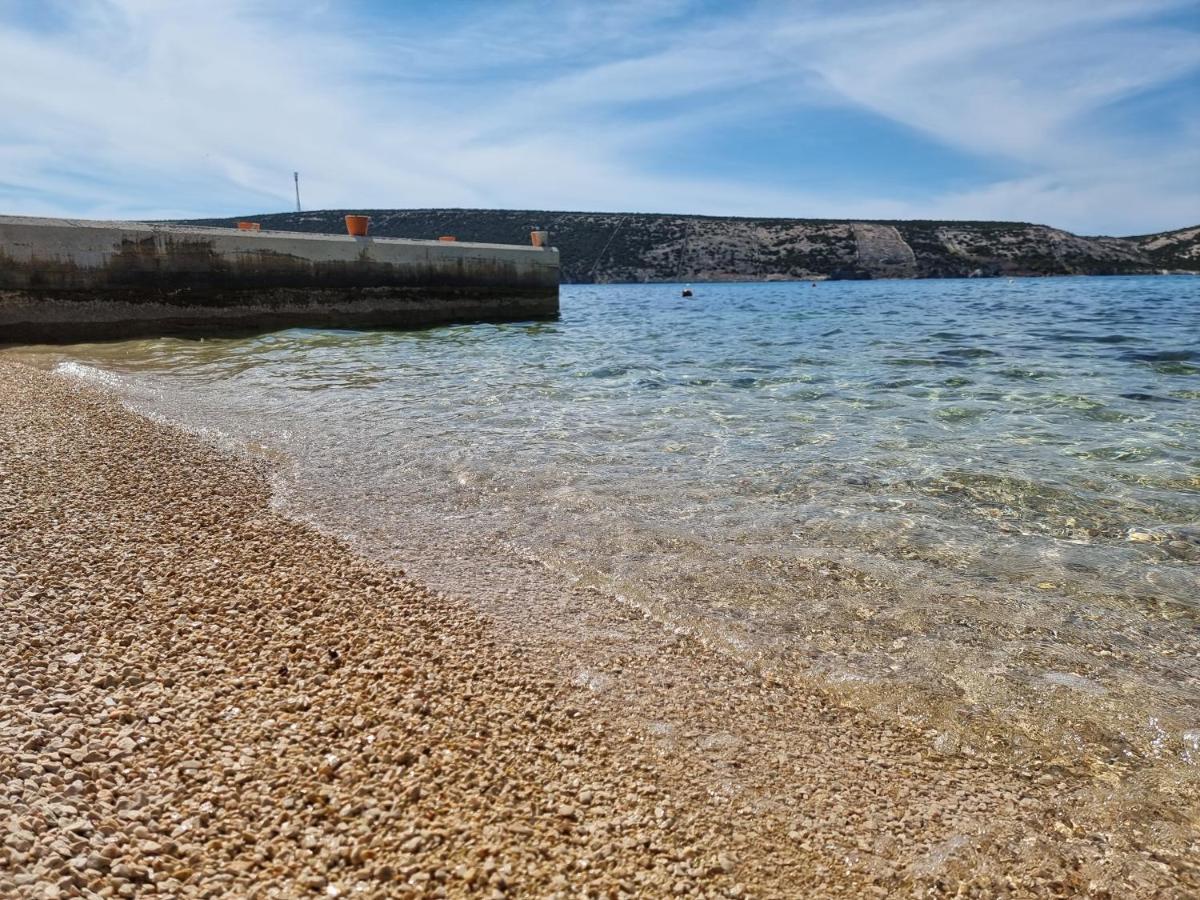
(1083, 114)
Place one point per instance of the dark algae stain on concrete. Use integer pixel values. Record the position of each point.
(69, 281)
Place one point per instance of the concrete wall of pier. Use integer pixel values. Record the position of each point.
(70, 280)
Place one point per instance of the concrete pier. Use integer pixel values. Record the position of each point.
(66, 280)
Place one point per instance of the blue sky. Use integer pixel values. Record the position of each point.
(1083, 114)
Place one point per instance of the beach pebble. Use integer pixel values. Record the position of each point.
(207, 699)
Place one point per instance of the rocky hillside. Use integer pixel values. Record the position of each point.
(615, 247)
(1172, 250)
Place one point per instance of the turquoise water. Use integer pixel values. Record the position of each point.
(984, 494)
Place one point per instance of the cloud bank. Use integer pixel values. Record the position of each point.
(1084, 115)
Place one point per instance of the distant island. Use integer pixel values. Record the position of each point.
(641, 247)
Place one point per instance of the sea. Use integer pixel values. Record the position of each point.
(973, 502)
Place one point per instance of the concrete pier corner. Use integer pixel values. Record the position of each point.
(66, 280)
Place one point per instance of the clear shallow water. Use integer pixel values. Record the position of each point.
(966, 500)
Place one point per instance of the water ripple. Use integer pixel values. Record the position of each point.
(1008, 470)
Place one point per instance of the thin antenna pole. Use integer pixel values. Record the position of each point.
(683, 248)
(592, 270)
(296, 176)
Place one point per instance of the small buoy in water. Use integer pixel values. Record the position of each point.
(814, 284)
(687, 292)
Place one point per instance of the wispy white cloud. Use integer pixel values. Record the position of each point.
(140, 108)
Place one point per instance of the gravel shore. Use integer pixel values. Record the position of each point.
(204, 698)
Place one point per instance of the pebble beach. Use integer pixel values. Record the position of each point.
(204, 698)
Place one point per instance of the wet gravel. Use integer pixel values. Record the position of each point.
(203, 698)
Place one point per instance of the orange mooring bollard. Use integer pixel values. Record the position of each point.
(448, 238)
(357, 226)
(539, 238)
(249, 226)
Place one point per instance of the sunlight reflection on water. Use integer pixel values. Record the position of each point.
(987, 489)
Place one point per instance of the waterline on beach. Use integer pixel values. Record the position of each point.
(962, 500)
